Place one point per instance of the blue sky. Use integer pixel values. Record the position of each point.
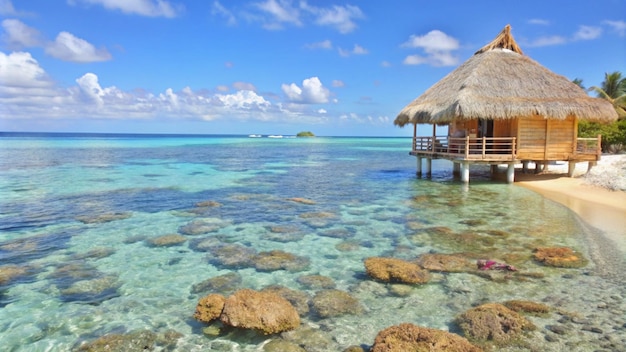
(336, 68)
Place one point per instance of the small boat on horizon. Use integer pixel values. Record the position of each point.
(255, 136)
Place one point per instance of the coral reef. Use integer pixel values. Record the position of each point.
(395, 270)
(167, 240)
(266, 312)
(452, 263)
(280, 260)
(332, 303)
(209, 308)
(300, 300)
(493, 322)
(224, 284)
(529, 307)
(409, 337)
(316, 281)
(102, 218)
(561, 257)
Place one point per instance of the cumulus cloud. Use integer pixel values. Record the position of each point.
(437, 46)
(244, 86)
(68, 47)
(587, 33)
(19, 35)
(20, 69)
(149, 8)
(618, 26)
(311, 92)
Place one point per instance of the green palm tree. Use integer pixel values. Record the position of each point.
(613, 89)
(579, 82)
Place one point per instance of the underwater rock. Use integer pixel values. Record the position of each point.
(135, 341)
(280, 345)
(167, 240)
(493, 322)
(224, 284)
(332, 303)
(232, 256)
(561, 257)
(348, 246)
(527, 307)
(10, 273)
(93, 291)
(445, 237)
(203, 226)
(312, 339)
(300, 300)
(280, 260)
(25, 249)
(395, 270)
(266, 312)
(450, 263)
(209, 308)
(283, 234)
(96, 253)
(342, 233)
(473, 222)
(302, 200)
(205, 244)
(102, 218)
(208, 204)
(316, 281)
(409, 337)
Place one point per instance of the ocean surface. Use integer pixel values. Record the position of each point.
(82, 252)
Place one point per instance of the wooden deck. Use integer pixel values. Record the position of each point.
(493, 150)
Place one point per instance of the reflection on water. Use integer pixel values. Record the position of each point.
(127, 235)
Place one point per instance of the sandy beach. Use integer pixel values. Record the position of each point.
(586, 193)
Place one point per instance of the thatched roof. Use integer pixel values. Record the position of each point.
(500, 82)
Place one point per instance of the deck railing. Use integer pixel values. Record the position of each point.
(469, 148)
(589, 146)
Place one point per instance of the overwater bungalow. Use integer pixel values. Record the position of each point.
(502, 107)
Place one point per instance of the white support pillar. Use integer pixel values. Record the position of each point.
(591, 164)
(510, 173)
(571, 167)
(456, 168)
(419, 166)
(429, 165)
(465, 172)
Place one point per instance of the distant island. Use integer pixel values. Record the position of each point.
(305, 134)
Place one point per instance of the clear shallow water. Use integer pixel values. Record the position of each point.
(81, 277)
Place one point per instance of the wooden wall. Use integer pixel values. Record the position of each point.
(541, 139)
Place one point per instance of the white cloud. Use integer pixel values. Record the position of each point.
(20, 69)
(539, 21)
(338, 83)
(19, 35)
(356, 50)
(326, 44)
(547, 41)
(617, 26)
(321, 111)
(437, 46)
(280, 11)
(219, 9)
(150, 8)
(67, 47)
(587, 33)
(385, 64)
(340, 17)
(244, 86)
(312, 92)
(6, 8)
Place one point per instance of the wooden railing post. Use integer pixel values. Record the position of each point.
(484, 145)
(599, 147)
(467, 139)
(513, 149)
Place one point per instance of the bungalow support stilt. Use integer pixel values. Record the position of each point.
(419, 166)
(429, 164)
(465, 172)
(456, 168)
(525, 166)
(571, 167)
(510, 173)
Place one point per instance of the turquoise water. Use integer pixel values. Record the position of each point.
(77, 214)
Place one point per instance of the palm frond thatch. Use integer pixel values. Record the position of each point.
(498, 82)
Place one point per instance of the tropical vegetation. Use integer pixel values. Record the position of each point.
(613, 89)
(305, 134)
